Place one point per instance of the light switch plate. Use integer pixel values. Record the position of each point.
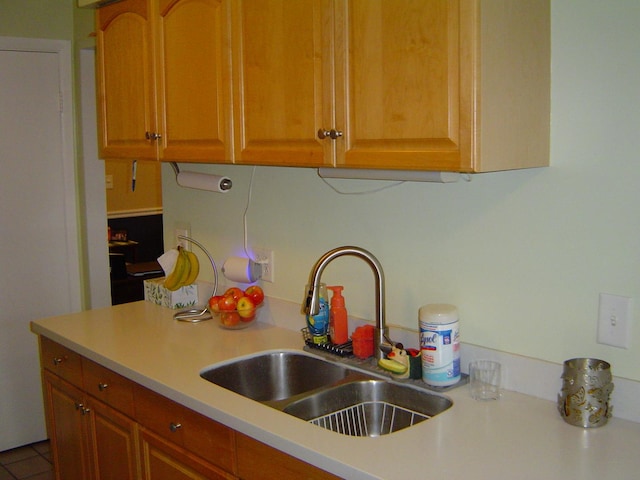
(614, 320)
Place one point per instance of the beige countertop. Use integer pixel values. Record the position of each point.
(518, 436)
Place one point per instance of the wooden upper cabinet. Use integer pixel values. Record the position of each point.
(164, 80)
(282, 60)
(193, 80)
(442, 84)
(400, 81)
(126, 96)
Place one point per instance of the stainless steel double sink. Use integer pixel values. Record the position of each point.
(330, 395)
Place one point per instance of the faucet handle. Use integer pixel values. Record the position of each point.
(391, 343)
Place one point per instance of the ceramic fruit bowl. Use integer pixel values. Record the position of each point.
(234, 319)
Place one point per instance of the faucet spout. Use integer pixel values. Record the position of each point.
(312, 302)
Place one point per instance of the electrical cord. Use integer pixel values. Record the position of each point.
(244, 215)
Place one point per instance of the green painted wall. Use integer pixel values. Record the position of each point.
(37, 18)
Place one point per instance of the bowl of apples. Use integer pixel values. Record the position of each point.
(236, 309)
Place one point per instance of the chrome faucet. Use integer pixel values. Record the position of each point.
(312, 302)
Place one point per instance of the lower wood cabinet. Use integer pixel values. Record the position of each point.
(114, 443)
(68, 428)
(163, 460)
(103, 426)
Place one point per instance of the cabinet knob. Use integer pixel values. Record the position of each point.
(57, 361)
(174, 427)
(333, 134)
(102, 386)
(152, 136)
(82, 408)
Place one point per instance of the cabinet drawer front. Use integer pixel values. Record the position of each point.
(258, 461)
(209, 439)
(61, 361)
(107, 386)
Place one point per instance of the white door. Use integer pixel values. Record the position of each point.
(39, 264)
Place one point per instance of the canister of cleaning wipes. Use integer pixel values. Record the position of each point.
(439, 344)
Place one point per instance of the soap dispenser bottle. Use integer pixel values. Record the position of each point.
(338, 323)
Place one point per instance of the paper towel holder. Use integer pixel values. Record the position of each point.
(202, 181)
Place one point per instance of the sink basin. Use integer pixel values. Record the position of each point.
(272, 376)
(368, 408)
(330, 395)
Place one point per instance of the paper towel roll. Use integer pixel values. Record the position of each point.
(241, 270)
(204, 181)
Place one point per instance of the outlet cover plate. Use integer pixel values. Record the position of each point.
(614, 320)
(267, 258)
(183, 229)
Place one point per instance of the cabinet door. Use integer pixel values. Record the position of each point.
(126, 98)
(162, 460)
(115, 444)
(282, 57)
(193, 80)
(403, 84)
(68, 428)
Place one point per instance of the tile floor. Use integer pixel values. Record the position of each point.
(31, 462)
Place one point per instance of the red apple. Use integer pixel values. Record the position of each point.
(235, 292)
(255, 293)
(230, 319)
(227, 303)
(246, 309)
(213, 303)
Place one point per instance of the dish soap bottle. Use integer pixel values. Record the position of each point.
(338, 323)
(318, 325)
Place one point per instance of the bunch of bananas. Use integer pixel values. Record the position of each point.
(184, 272)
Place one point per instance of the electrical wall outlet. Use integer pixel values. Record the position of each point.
(183, 229)
(266, 258)
(614, 319)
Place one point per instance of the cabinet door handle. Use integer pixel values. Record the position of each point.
(102, 386)
(152, 136)
(57, 361)
(82, 408)
(333, 133)
(174, 427)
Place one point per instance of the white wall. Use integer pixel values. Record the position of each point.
(523, 254)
